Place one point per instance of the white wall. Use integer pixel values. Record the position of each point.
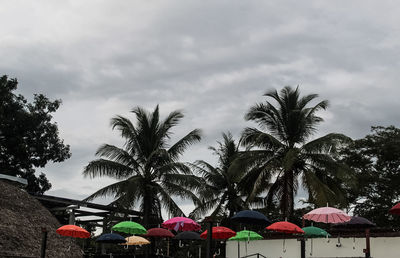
(381, 247)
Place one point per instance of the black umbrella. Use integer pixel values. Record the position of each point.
(251, 217)
(355, 223)
(111, 238)
(188, 235)
(358, 223)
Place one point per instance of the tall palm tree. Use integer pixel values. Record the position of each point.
(147, 167)
(280, 153)
(220, 191)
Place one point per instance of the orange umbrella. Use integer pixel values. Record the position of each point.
(73, 231)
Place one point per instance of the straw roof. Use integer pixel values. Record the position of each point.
(22, 218)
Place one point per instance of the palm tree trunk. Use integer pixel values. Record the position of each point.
(287, 202)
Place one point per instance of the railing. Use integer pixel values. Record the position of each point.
(256, 255)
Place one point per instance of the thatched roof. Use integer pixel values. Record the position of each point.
(22, 218)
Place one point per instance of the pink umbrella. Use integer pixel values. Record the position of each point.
(181, 224)
(327, 215)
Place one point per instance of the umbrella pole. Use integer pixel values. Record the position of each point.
(199, 251)
(238, 249)
(168, 247)
(311, 247)
(367, 249)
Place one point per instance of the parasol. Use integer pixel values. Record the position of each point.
(129, 227)
(181, 224)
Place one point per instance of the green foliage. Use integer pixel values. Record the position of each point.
(220, 191)
(28, 137)
(280, 158)
(147, 168)
(376, 162)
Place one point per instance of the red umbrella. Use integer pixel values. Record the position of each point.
(158, 232)
(219, 233)
(395, 209)
(73, 231)
(285, 227)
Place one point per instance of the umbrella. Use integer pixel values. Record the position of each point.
(327, 215)
(136, 240)
(355, 223)
(251, 217)
(181, 224)
(245, 235)
(158, 232)
(219, 233)
(395, 209)
(188, 235)
(285, 227)
(73, 231)
(111, 238)
(129, 227)
(314, 232)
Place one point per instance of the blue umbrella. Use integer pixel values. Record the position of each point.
(111, 238)
(251, 217)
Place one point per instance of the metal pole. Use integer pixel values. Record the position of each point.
(44, 243)
(209, 253)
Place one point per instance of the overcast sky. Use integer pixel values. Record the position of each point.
(211, 59)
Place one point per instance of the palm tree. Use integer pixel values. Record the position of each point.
(280, 153)
(147, 168)
(220, 191)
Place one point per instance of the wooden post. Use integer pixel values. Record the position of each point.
(367, 250)
(44, 243)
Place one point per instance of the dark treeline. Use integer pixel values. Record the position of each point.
(263, 169)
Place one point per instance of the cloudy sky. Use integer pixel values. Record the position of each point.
(211, 59)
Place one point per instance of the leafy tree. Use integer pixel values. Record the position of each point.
(147, 168)
(28, 137)
(376, 162)
(280, 154)
(220, 191)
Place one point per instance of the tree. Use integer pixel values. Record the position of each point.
(220, 190)
(147, 168)
(280, 155)
(28, 137)
(376, 162)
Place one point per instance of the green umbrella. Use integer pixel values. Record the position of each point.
(130, 227)
(245, 235)
(314, 232)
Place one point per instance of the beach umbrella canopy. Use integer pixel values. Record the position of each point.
(73, 231)
(136, 240)
(327, 215)
(219, 233)
(355, 222)
(314, 232)
(111, 238)
(395, 209)
(246, 235)
(158, 232)
(188, 235)
(285, 227)
(129, 227)
(181, 224)
(251, 217)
